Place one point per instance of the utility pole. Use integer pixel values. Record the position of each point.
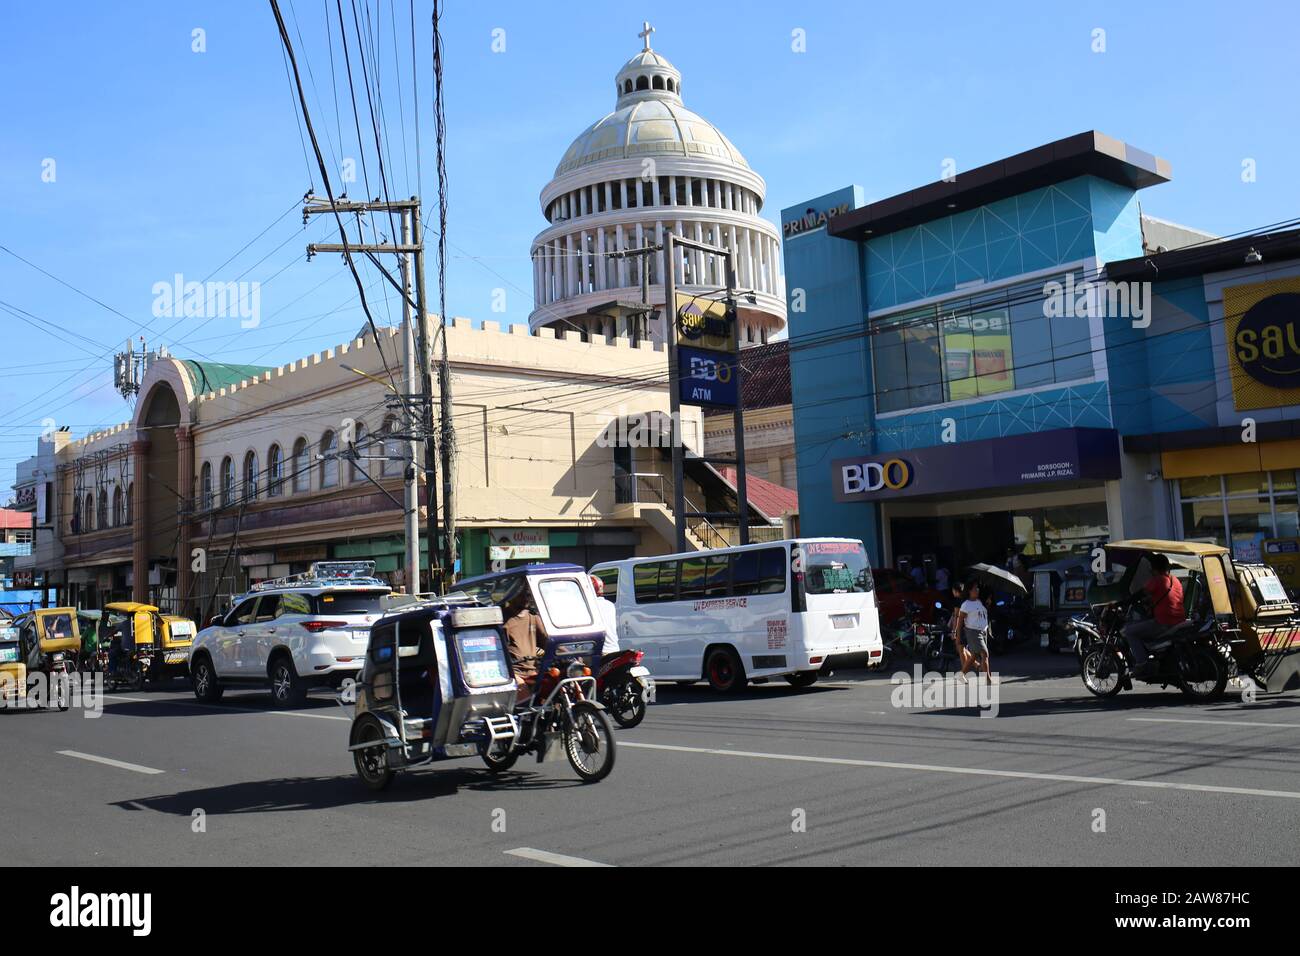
(415, 336)
(738, 415)
(674, 387)
(411, 496)
(447, 444)
(437, 573)
(669, 250)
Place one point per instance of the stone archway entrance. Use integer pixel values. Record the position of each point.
(163, 463)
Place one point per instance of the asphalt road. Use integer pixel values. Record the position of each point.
(834, 774)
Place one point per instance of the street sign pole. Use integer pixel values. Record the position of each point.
(738, 416)
(674, 386)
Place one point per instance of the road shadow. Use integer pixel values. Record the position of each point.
(324, 793)
(1146, 699)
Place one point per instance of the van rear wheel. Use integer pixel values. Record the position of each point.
(724, 671)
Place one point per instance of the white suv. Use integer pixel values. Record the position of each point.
(291, 634)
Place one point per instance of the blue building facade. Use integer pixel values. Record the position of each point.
(984, 365)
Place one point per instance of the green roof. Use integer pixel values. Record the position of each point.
(210, 376)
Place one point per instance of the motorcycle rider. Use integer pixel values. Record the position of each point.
(525, 640)
(608, 616)
(1165, 594)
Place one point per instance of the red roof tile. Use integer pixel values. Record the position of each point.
(767, 376)
(773, 500)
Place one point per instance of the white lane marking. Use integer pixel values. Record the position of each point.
(556, 859)
(978, 771)
(1223, 723)
(139, 700)
(294, 713)
(109, 761)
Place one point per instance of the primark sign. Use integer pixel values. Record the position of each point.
(1059, 455)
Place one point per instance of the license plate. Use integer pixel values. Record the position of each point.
(844, 621)
(640, 671)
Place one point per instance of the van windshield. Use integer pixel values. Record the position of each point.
(835, 567)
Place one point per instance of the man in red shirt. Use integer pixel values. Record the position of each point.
(1165, 594)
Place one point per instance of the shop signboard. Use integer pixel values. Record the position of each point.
(707, 378)
(1283, 556)
(1262, 323)
(514, 544)
(705, 324)
(1063, 454)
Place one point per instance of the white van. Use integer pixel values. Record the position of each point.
(732, 615)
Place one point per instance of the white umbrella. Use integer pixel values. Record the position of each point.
(996, 578)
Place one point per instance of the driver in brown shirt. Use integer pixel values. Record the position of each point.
(525, 641)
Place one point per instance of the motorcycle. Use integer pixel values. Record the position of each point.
(1012, 623)
(624, 686)
(1086, 634)
(904, 639)
(130, 670)
(1190, 656)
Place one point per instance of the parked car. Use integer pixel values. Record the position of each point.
(291, 634)
(894, 589)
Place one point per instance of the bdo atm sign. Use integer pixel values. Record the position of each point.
(706, 377)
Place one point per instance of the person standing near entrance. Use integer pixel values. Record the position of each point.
(973, 622)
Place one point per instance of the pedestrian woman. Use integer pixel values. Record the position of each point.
(973, 625)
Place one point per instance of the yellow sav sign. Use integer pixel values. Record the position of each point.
(1262, 322)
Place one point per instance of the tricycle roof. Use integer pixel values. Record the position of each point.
(530, 569)
(1196, 548)
(128, 607)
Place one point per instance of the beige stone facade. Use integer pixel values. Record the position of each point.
(248, 467)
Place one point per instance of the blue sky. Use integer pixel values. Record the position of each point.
(169, 161)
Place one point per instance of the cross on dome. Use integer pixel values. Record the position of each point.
(646, 30)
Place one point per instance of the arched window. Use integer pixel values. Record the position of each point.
(205, 487)
(274, 472)
(658, 83)
(361, 447)
(130, 502)
(252, 479)
(227, 482)
(119, 507)
(329, 466)
(76, 516)
(301, 468)
(392, 448)
(627, 86)
(101, 515)
(642, 83)
(88, 512)
(672, 86)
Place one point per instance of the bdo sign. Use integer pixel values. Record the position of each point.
(894, 474)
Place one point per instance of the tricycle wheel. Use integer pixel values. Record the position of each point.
(500, 762)
(372, 768)
(589, 743)
(1202, 675)
(1103, 673)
